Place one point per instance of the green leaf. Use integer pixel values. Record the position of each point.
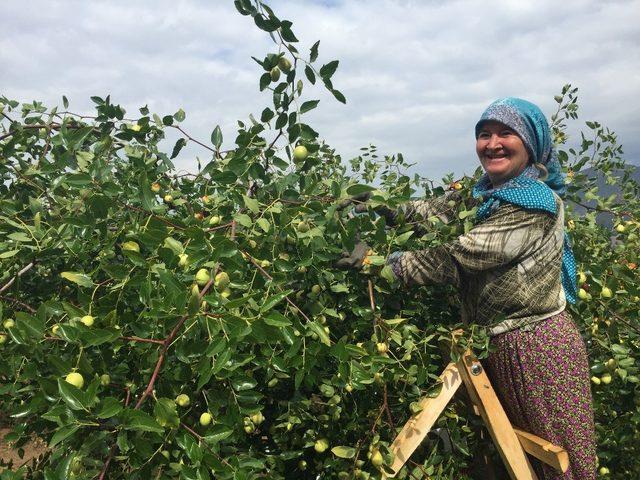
(314, 52)
(139, 421)
(358, 189)
(174, 245)
(32, 326)
(308, 71)
(319, 330)
(327, 71)
(276, 319)
(264, 224)
(179, 115)
(216, 137)
(251, 203)
(74, 397)
(273, 300)
(309, 105)
(244, 220)
(109, 407)
(402, 238)
(338, 95)
(8, 254)
(62, 433)
(166, 413)
(243, 383)
(343, 452)
(217, 433)
(180, 144)
(78, 277)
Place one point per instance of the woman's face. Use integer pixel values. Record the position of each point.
(501, 152)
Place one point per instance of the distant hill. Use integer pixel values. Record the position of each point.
(605, 190)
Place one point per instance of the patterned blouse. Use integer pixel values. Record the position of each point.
(507, 269)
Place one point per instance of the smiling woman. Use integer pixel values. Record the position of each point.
(515, 272)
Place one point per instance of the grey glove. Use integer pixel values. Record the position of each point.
(354, 259)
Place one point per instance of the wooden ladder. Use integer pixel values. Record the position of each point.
(511, 442)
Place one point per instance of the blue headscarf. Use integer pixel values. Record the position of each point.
(527, 190)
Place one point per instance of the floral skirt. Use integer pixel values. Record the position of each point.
(542, 379)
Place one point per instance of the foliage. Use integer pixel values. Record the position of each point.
(285, 357)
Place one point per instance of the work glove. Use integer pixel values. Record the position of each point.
(354, 259)
(361, 207)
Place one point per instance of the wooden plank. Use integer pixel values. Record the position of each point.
(543, 450)
(494, 416)
(418, 426)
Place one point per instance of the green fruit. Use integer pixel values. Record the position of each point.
(183, 259)
(596, 380)
(604, 471)
(55, 328)
(226, 293)
(300, 153)
(582, 294)
(3, 338)
(183, 400)
(321, 445)
(382, 347)
(257, 418)
(606, 378)
(168, 199)
(349, 388)
(75, 379)
(87, 320)
(9, 323)
(606, 292)
(302, 465)
(275, 74)
(303, 227)
(105, 379)
(376, 458)
(214, 220)
(165, 454)
(582, 278)
(202, 277)
(620, 228)
(131, 247)
(205, 419)
(284, 64)
(221, 280)
(611, 364)
(249, 428)
(265, 263)
(206, 200)
(316, 289)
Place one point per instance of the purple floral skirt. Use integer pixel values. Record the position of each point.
(542, 379)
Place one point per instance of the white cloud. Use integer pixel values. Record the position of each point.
(416, 74)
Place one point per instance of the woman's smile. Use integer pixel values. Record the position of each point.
(501, 152)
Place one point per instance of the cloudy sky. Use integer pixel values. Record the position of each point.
(416, 74)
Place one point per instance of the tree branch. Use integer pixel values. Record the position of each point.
(19, 274)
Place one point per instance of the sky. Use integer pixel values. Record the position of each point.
(416, 74)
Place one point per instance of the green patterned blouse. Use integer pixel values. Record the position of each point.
(507, 268)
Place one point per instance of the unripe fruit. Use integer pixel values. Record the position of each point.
(105, 379)
(265, 263)
(168, 199)
(205, 419)
(183, 400)
(202, 277)
(3, 338)
(349, 388)
(611, 363)
(135, 127)
(155, 187)
(249, 428)
(9, 323)
(316, 289)
(205, 199)
(257, 418)
(303, 227)
(214, 220)
(456, 186)
(300, 153)
(284, 64)
(87, 320)
(604, 471)
(302, 465)
(321, 445)
(606, 378)
(620, 228)
(221, 280)
(606, 292)
(165, 454)
(131, 247)
(55, 328)
(75, 379)
(376, 458)
(272, 383)
(183, 259)
(275, 74)
(582, 294)
(226, 293)
(582, 277)
(253, 243)
(595, 380)
(382, 347)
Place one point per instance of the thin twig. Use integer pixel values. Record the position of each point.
(18, 302)
(143, 340)
(19, 274)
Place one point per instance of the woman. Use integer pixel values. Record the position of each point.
(515, 272)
